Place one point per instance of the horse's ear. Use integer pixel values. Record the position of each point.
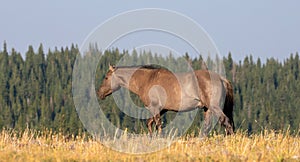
(112, 68)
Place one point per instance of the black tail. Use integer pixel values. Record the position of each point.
(229, 101)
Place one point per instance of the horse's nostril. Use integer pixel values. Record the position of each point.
(99, 94)
(102, 97)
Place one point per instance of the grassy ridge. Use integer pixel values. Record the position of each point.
(32, 145)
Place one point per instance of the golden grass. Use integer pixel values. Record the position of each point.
(32, 145)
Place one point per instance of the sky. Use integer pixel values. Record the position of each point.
(264, 29)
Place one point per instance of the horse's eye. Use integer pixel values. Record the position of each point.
(106, 78)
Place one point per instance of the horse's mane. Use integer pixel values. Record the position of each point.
(150, 66)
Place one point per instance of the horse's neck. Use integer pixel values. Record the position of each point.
(126, 76)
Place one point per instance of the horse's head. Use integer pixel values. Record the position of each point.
(109, 84)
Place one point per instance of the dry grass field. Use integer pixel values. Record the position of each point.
(32, 145)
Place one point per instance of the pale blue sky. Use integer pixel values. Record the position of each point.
(264, 29)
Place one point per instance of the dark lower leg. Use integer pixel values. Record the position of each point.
(225, 122)
(149, 125)
(158, 120)
(158, 123)
(223, 119)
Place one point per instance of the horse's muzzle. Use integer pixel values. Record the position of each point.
(102, 97)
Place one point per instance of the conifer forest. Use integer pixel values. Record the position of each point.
(36, 90)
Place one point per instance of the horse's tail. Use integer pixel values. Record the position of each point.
(229, 101)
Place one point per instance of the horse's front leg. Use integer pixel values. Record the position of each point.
(149, 125)
(158, 124)
(158, 120)
(155, 118)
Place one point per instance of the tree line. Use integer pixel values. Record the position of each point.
(36, 91)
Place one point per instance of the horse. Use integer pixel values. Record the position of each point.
(161, 90)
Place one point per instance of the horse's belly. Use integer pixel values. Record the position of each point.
(186, 105)
(192, 104)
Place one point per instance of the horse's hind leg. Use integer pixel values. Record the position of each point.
(223, 119)
(207, 126)
(225, 122)
(210, 120)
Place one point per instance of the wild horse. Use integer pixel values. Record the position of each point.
(161, 90)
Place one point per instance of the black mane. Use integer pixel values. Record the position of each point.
(150, 66)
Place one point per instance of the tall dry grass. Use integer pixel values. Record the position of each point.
(31, 145)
